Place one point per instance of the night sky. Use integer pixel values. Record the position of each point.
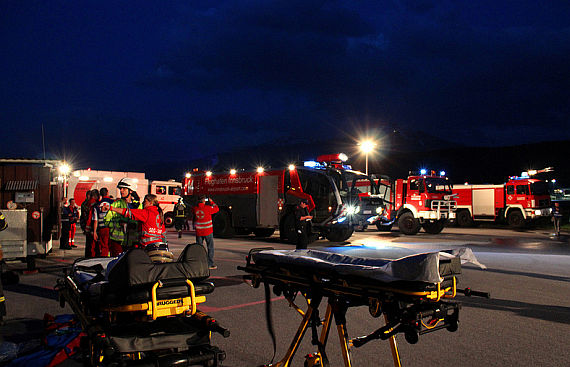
(117, 82)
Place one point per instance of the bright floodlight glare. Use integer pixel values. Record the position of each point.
(442, 173)
(64, 169)
(209, 173)
(343, 157)
(367, 146)
(188, 175)
(233, 171)
(291, 167)
(423, 171)
(260, 169)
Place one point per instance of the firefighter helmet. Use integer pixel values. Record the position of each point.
(127, 183)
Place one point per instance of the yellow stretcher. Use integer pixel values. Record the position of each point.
(401, 289)
(141, 313)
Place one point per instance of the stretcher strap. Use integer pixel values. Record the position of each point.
(269, 319)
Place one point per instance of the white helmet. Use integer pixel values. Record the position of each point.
(127, 183)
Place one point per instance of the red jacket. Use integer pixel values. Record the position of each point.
(203, 218)
(153, 230)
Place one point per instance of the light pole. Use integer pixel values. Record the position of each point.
(64, 170)
(366, 147)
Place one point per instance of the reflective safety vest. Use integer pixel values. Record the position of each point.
(180, 210)
(153, 230)
(203, 219)
(117, 223)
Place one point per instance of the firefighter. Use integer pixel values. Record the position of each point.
(103, 207)
(556, 218)
(179, 216)
(73, 215)
(3, 226)
(122, 231)
(204, 226)
(302, 219)
(65, 227)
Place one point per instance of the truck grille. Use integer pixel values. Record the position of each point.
(443, 205)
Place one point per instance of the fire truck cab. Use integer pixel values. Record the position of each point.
(422, 200)
(262, 201)
(517, 202)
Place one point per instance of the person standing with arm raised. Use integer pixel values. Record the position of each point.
(204, 226)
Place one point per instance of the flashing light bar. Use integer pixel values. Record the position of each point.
(313, 164)
(329, 158)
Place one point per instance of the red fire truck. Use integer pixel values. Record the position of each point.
(422, 200)
(519, 201)
(262, 201)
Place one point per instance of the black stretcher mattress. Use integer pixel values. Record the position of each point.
(390, 264)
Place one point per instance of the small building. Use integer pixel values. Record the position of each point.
(31, 193)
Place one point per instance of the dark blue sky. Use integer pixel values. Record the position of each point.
(119, 81)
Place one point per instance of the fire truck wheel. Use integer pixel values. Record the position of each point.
(516, 219)
(408, 224)
(168, 220)
(464, 219)
(434, 227)
(263, 232)
(223, 225)
(340, 234)
(384, 227)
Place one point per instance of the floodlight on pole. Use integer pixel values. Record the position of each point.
(367, 147)
(64, 170)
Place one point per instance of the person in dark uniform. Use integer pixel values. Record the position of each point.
(65, 227)
(302, 219)
(3, 226)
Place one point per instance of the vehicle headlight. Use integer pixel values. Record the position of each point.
(537, 212)
(379, 210)
(351, 209)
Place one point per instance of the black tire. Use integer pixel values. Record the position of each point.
(30, 263)
(515, 219)
(169, 220)
(223, 225)
(408, 224)
(464, 219)
(340, 234)
(263, 232)
(287, 228)
(384, 227)
(434, 227)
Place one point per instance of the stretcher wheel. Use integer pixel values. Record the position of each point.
(453, 326)
(411, 336)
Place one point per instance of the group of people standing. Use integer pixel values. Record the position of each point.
(113, 226)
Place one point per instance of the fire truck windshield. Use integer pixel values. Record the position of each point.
(438, 185)
(355, 184)
(539, 188)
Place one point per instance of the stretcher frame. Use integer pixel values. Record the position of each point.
(100, 349)
(404, 306)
